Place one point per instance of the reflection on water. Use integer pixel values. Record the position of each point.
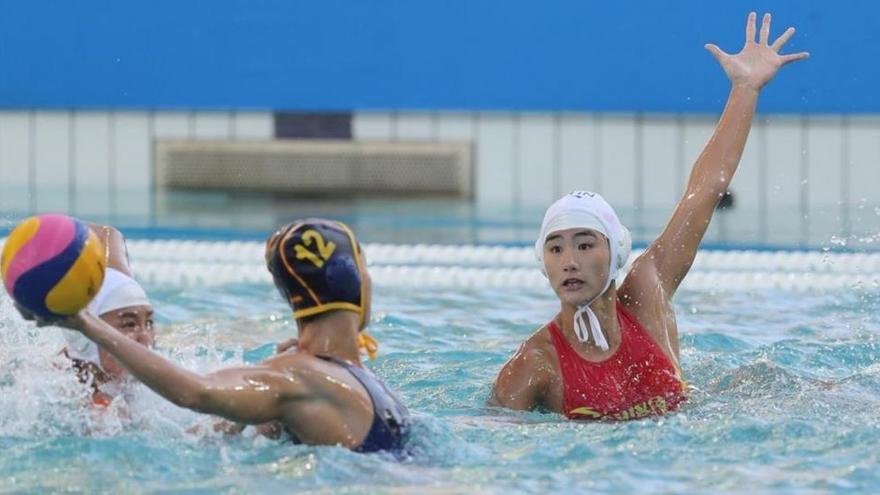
(430, 220)
(784, 401)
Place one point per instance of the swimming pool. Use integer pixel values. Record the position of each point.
(784, 364)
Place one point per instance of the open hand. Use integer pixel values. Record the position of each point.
(757, 63)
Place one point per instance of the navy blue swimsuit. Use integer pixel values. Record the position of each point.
(390, 416)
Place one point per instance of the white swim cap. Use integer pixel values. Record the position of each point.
(587, 210)
(118, 291)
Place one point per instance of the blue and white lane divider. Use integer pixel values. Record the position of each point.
(510, 257)
(176, 274)
(186, 263)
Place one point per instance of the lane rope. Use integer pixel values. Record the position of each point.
(501, 256)
(188, 263)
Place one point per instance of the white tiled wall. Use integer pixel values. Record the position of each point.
(659, 159)
(748, 183)
(374, 126)
(823, 172)
(100, 163)
(414, 126)
(497, 159)
(617, 157)
(92, 162)
(577, 137)
(809, 170)
(172, 125)
(132, 171)
(16, 161)
(52, 144)
(818, 168)
(455, 127)
(536, 147)
(863, 169)
(252, 125)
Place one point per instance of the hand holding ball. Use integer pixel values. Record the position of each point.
(52, 265)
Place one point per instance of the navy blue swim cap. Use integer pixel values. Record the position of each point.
(316, 265)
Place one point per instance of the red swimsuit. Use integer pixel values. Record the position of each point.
(636, 382)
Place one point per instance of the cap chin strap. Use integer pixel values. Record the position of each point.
(586, 324)
(368, 345)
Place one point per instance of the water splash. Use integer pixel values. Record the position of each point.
(786, 389)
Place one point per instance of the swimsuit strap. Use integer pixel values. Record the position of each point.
(390, 417)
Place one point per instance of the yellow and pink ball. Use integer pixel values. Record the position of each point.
(52, 265)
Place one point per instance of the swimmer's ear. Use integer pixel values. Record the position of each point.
(624, 247)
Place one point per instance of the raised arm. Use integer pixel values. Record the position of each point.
(115, 249)
(249, 395)
(672, 254)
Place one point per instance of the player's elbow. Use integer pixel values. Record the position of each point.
(196, 397)
(518, 400)
(502, 397)
(706, 190)
(504, 393)
(520, 382)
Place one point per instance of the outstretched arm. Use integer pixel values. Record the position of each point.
(249, 395)
(672, 254)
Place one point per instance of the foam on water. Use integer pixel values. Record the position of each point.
(785, 400)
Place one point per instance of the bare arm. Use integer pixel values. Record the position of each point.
(522, 382)
(249, 395)
(115, 249)
(670, 257)
(271, 429)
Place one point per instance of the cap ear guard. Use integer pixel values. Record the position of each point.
(343, 279)
(624, 247)
(583, 209)
(539, 258)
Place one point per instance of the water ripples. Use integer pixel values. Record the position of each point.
(786, 390)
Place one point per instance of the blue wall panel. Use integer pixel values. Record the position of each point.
(419, 54)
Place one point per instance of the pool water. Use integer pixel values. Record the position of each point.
(222, 215)
(786, 399)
